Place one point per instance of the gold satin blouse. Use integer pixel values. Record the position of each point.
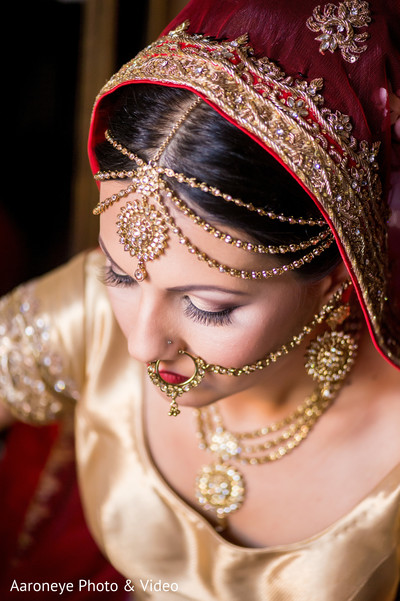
(67, 340)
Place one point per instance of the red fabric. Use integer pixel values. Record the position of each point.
(277, 29)
(60, 548)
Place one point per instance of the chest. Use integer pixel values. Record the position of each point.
(295, 497)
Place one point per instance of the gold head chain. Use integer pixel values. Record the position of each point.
(143, 227)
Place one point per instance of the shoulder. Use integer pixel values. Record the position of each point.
(43, 343)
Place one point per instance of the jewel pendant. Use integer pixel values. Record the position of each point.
(220, 488)
(173, 409)
(140, 272)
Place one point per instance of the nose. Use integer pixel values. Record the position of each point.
(150, 331)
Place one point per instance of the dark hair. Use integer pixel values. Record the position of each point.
(209, 148)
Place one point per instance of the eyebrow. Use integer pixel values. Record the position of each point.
(190, 288)
(109, 257)
(195, 287)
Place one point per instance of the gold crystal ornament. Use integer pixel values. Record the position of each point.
(337, 25)
(330, 357)
(148, 181)
(143, 232)
(220, 488)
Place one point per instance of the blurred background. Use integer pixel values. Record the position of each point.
(57, 54)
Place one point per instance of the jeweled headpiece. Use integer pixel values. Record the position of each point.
(143, 227)
(331, 143)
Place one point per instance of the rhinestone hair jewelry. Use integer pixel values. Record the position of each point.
(201, 367)
(144, 227)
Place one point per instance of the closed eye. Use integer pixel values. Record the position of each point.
(110, 278)
(208, 318)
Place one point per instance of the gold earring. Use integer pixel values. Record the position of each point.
(330, 357)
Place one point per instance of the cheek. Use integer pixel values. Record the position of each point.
(249, 338)
(123, 306)
(254, 333)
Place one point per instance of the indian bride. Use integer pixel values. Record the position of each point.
(231, 351)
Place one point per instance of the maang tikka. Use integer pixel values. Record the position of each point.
(143, 227)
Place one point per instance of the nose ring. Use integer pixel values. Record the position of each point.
(175, 390)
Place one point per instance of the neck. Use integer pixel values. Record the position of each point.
(279, 390)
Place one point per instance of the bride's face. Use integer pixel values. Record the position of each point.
(225, 320)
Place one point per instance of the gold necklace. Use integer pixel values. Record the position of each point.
(220, 486)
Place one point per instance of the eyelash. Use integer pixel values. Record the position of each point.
(110, 278)
(208, 318)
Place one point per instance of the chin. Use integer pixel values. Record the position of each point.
(198, 397)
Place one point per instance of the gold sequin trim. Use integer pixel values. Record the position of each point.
(32, 382)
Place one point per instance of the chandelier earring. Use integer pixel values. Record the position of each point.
(330, 356)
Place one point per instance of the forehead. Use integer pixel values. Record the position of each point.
(173, 252)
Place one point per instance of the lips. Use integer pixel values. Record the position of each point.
(172, 378)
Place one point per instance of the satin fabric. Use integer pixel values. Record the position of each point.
(148, 532)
